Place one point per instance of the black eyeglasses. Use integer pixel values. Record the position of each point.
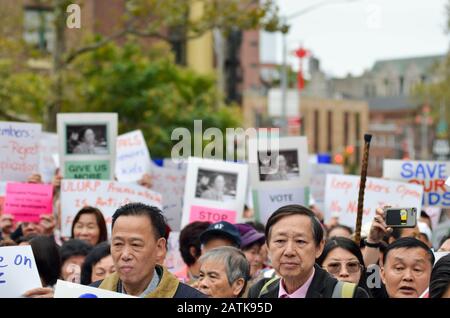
(335, 267)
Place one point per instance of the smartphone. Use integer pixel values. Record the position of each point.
(401, 217)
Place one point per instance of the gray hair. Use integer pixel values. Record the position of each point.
(236, 264)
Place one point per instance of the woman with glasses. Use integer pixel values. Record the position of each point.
(342, 258)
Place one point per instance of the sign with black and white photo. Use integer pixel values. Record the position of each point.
(87, 145)
(279, 173)
(215, 191)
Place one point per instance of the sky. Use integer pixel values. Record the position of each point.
(348, 37)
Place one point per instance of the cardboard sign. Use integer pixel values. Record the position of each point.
(341, 197)
(65, 289)
(27, 201)
(215, 190)
(318, 173)
(133, 158)
(268, 201)
(87, 145)
(48, 149)
(170, 183)
(19, 149)
(18, 271)
(430, 174)
(107, 196)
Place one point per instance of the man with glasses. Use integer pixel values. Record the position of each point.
(294, 238)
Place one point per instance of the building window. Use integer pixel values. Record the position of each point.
(316, 131)
(330, 131)
(38, 28)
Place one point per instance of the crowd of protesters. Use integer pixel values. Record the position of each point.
(294, 255)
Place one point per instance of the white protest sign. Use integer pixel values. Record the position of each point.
(448, 182)
(267, 201)
(65, 289)
(19, 149)
(439, 255)
(431, 174)
(170, 184)
(318, 173)
(280, 167)
(132, 158)
(434, 212)
(173, 261)
(215, 191)
(279, 164)
(107, 196)
(179, 164)
(87, 145)
(48, 148)
(341, 197)
(18, 271)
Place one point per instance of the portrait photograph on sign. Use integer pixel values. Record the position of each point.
(284, 167)
(283, 164)
(216, 185)
(87, 139)
(87, 145)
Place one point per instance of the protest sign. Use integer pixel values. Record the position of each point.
(318, 173)
(170, 184)
(267, 201)
(431, 174)
(18, 271)
(434, 212)
(2, 195)
(173, 261)
(283, 164)
(341, 197)
(27, 201)
(179, 164)
(87, 145)
(19, 149)
(107, 196)
(279, 173)
(215, 191)
(448, 182)
(65, 289)
(133, 158)
(48, 149)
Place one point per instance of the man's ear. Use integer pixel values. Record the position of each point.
(319, 249)
(161, 248)
(382, 274)
(237, 286)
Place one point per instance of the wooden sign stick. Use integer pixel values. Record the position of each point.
(362, 187)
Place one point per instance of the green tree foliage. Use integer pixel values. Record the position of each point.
(148, 91)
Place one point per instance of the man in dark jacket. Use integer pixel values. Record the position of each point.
(137, 243)
(294, 237)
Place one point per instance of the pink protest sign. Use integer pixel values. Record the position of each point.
(27, 201)
(213, 215)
